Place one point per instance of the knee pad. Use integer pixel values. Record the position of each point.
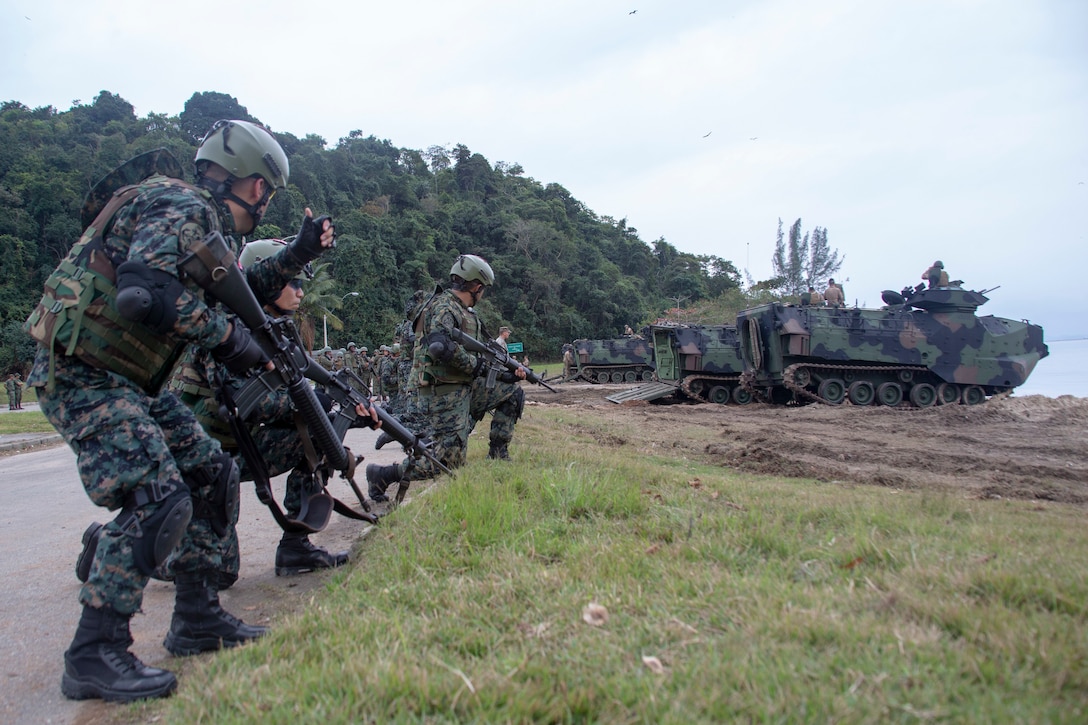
(514, 405)
(155, 538)
(215, 492)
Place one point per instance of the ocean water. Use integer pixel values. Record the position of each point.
(1063, 372)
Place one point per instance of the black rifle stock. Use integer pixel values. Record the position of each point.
(495, 355)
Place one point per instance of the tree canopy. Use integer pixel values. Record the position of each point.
(804, 261)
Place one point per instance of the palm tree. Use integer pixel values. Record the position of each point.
(319, 301)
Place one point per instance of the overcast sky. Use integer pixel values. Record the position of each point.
(911, 130)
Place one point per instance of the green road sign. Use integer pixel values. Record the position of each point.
(514, 347)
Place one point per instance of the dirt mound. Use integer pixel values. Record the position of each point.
(1030, 447)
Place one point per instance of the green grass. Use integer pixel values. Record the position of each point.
(24, 421)
(764, 600)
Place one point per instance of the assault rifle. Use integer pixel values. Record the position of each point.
(496, 358)
(214, 267)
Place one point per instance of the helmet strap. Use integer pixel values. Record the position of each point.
(224, 191)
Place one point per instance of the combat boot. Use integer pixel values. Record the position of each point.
(296, 554)
(383, 438)
(498, 451)
(98, 663)
(225, 579)
(379, 478)
(200, 624)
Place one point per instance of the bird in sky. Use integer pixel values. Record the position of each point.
(707, 134)
(632, 12)
(753, 138)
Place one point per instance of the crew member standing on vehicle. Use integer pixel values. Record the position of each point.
(833, 295)
(114, 320)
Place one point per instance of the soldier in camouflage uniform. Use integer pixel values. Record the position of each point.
(351, 358)
(12, 386)
(442, 373)
(407, 339)
(381, 359)
(19, 390)
(505, 400)
(390, 376)
(115, 317)
(272, 425)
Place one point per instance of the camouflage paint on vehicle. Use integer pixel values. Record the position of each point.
(925, 347)
(704, 361)
(620, 360)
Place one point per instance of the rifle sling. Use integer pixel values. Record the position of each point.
(262, 481)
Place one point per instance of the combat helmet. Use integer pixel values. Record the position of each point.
(471, 268)
(245, 149)
(259, 249)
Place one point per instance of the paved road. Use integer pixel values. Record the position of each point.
(43, 513)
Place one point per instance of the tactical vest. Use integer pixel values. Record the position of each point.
(77, 315)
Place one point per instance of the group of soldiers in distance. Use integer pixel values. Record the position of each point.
(13, 386)
(379, 371)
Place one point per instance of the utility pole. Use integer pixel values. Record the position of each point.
(325, 318)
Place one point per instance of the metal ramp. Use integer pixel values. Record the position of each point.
(649, 391)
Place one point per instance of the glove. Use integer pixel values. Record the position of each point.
(507, 377)
(306, 246)
(239, 352)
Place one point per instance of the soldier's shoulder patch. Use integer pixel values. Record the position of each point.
(190, 233)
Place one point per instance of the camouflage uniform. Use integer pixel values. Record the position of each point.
(378, 365)
(389, 372)
(443, 390)
(134, 442)
(365, 371)
(505, 401)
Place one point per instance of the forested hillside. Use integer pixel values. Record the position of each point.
(402, 216)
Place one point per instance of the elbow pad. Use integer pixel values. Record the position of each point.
(149, 296)
(440, 346)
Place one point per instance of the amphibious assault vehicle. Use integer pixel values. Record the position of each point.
(619, 360)
(704, 361)
(699, 362)
(925, 346)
